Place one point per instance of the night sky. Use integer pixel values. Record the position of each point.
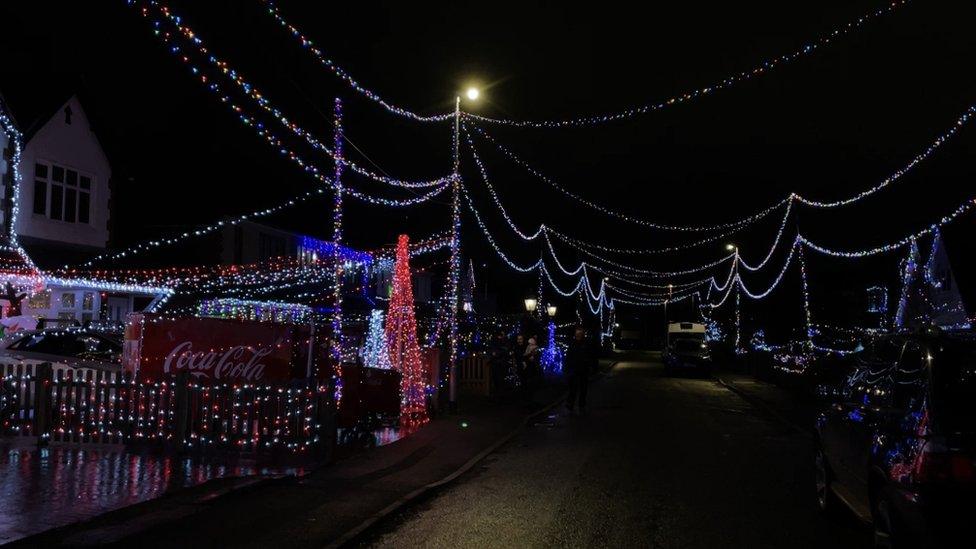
(826, 126)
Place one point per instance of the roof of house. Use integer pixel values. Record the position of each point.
(960, 246)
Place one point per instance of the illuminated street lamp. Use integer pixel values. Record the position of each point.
(472, 93)
(530, 305)
(730, 247)
(551, 310)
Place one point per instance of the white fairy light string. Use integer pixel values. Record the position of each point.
(331, 65)
(620, 215)
(760, 69)
(277, 145)
(262, 102)
(152, 244)
(734, 226)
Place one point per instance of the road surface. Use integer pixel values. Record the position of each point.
(655, 462)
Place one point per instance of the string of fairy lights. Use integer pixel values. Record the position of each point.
(760, 69)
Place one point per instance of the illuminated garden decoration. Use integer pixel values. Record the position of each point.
(401, 336)
(375, 352)
(552, 355)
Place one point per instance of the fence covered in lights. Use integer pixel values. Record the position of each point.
(87, 406)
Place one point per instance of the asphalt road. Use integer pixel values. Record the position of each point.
(655, 462)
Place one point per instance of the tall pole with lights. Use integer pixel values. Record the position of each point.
(337, 238)
(455, 271)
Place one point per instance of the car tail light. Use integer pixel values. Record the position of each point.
(936, 464)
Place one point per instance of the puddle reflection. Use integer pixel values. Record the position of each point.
(43, 488)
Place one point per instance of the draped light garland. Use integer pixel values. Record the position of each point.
(262, 102)
(760, 69)
(331, 65)
(276, 143)
(620, 215)
(731, 227)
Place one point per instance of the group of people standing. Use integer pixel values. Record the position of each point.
(517, 364)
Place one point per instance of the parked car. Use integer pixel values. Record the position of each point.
(898, 443)
(66, 347)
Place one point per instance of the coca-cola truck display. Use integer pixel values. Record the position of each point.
(217, 350)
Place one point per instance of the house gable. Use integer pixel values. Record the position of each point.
(64, 188)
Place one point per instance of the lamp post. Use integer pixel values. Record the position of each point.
(455, 274)
(666, 322)
(530, 305)
(551, 310)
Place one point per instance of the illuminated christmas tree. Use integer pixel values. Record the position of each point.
(401, 336)
(552, 355)
(375, 352)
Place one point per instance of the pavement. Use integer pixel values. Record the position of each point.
(655, 462)
(331, 505)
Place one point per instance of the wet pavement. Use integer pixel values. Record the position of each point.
(45, 488)
(655, 462)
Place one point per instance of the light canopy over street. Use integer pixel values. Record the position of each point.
(457, 274)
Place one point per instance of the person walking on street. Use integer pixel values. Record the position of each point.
(580, 359)
(530, 362)
(499, 361)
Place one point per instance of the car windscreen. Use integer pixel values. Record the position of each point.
(69, 344)
(954, 387)
(688, 345)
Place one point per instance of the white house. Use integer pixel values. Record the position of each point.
(64, 187)
(62, 202)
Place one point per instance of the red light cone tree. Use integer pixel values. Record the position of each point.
(401, 336)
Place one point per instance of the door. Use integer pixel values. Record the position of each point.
(118, 308)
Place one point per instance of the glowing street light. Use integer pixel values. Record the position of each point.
(730, 247)
(530, 305)
(472, 94)
(551, 310)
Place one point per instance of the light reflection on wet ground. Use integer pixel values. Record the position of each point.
(44, 488)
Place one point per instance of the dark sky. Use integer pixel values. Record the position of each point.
(827, 125)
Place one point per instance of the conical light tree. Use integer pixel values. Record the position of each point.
(375, 353)
(552, 355)
(401, 336)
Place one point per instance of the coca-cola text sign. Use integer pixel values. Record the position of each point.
(215, 350)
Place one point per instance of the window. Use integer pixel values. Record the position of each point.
(40, 300)
(61, 193)
(40, 197)
(270, 246)
(88, 301)
(68, 300)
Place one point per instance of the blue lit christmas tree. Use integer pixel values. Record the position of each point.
(552, 355)
(375, 353)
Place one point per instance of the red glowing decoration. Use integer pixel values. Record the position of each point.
(401, 335)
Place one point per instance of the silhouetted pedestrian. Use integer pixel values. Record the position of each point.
(579, 361)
